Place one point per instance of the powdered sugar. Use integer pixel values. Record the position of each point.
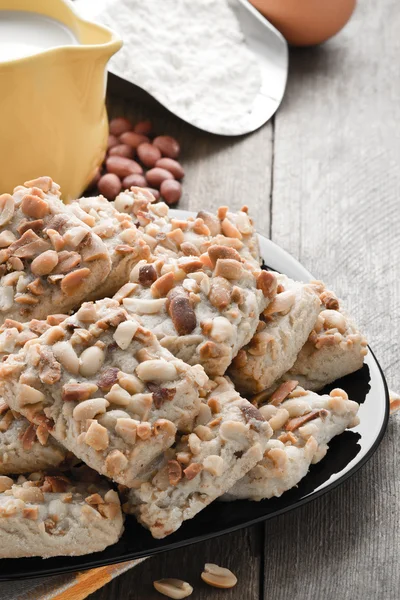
(190, 55)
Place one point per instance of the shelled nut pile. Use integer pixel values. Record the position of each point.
(135, 157)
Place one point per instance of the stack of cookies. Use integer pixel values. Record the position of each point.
(154, 357)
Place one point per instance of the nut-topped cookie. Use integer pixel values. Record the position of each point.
(49, 260)
(105, 388)
(193, 236)
(281, 333)
(119, 233)
(203, 309)
(54, 515)
(229, 438)
(303, 424)
(25, 447)
(334, 348)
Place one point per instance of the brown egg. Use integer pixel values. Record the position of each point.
(306, 22)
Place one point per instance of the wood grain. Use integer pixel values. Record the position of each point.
(241, 552)
(336, 208)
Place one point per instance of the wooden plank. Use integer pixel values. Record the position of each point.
(218, 171)
(241, 552)
(336, 208)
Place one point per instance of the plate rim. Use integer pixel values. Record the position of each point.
(99, 562)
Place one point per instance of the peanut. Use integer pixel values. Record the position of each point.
(29, 395)
(121, 150)
(122, 167)
(88, 409)
(218, 576)
(124, 333)
(156, 176)
(112, 141)
(171, 165)
(66, 355)
(44, 263)
(6, 483)
(156, 370)
(34, 207)
(148, 154)
(90, 361)
(143, 127)
(119, 125)
(109, 185)
(134, 180)
(6, 209)
(171, 191)
(168, 145)
(133, 139)
(173, 588)
(73, 280)
(97, 436)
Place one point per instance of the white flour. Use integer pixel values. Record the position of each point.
(190, 55)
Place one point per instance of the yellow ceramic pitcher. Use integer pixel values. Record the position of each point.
(53, 118)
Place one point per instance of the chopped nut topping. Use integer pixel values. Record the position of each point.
(49, 368)
(55, 483)
(220, 293)
(97, 437)
(330, 300)
(143, 431)
(126, 428)
(211, 221)
(192, 470)
(147, 275)
(55, 319)
(76, 392)
(116, 462)
(230, 230)
(6, 238)
(31, 513)
(181, 312)
(267, 283)
(29, 437)
(228, 269)
(251, 412)
(28, 494)
(174, 472)
(42, 434)
(283, 392)
(161, 394)
(108, 378)
(189, 249)
(6, 209)
(163, 285)
(297, 422)
(94, 499)
(6, 483)
(88, 409)
(36, 287)
(57, 241)
(43, 183)
(73, 280)
(28, 245)
(67, 260)
(216, 252)
(29, 395)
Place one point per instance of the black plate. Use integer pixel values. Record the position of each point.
(348, 452)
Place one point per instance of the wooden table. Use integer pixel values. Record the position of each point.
(323, 180)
